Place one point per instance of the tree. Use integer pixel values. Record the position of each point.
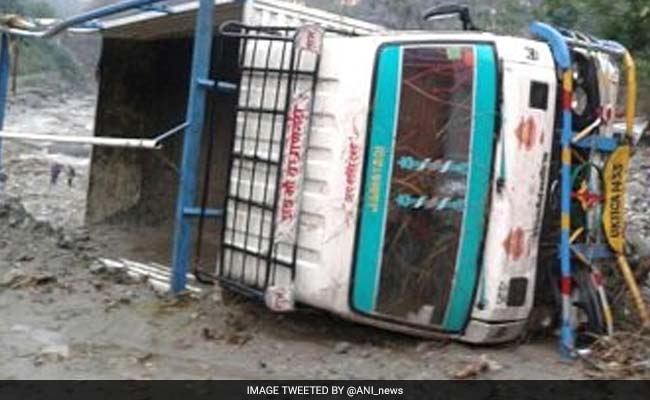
(39, 56)
(501, 16)
(36, 9)
(626, 21)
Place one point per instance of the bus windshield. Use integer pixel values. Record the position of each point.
(427, 177)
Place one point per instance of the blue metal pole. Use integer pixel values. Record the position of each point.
(5, 60)
(192, 144)
(562, 57)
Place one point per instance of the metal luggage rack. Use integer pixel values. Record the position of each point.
(275, 67)
(563, 42)
(581, 40)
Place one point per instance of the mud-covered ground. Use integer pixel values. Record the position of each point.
(63, 315)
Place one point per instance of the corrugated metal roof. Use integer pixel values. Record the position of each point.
(180, 21)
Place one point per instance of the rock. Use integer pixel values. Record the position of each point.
(13, 278)
(16, 220)
(26, 258)
(366, 353)
(45, 344)
(97, 267)
(238, 339)
(112, 304)
(210, 334)
(42, 227)
(55, 352)
(16, 279)
(145, 359)
(158, 289)
(342, 348)
(65, 242)
(476, 367)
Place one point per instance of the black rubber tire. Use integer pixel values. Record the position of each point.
(589, 302)
(588, 82)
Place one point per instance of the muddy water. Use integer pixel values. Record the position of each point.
(28, 164)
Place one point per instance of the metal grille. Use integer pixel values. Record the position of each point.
(279, 68)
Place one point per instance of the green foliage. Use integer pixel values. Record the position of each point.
(626, 21)
(560, 12)
(37, 56)
(36, 9)
(502, 16)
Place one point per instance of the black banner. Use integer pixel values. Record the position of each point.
(284, 390)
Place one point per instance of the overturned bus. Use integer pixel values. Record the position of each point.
(441, 184)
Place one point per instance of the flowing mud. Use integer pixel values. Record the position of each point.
(65, 316)
(29, 165)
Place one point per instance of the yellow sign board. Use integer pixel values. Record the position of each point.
(615, 176)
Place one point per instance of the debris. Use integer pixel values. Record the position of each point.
(280, 299)
(157, 276)
(12, 278)
(238, 339)
(97, 267)
(159, 290)
(209, 334)
(55, 352)
(231, 336)
(65, 242)
(26, 258)
(182, 300)
(50, 346)
(626, 355)
(584, 352)
(342, 348)
(16, 279)
(429, 346)
(113, 304)
(477, 367)
(116, 271)
(145, 359)
(43, 280)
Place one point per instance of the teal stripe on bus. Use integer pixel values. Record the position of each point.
(473, 228)
(377, 179)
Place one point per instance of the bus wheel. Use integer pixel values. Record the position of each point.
(589, 310)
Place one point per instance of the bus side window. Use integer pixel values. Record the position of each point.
(538, 95)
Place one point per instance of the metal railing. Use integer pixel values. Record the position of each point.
(275, 70)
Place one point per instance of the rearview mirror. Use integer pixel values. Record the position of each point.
(445, 11)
